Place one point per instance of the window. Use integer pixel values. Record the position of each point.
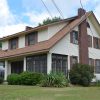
(88, 25)
(37, 64)
(31, 38)
(17, 67)
(73, 60)
(13, 43)
(96, 43)
(89, 41)
(97, 66)
(59, 63)
(74, 37)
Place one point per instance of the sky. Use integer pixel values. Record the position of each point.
(16, 14)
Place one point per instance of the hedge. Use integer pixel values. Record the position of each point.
(25, 78)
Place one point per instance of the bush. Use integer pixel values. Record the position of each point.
(13, 79)
(1, 80)
(25, 78)
(28, 78)
(54, 80)
(81, 74)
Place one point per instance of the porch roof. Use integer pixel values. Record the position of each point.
(45, 45)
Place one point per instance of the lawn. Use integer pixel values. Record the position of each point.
(8, 92)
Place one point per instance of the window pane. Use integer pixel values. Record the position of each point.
(32, 38)
(37, 64)
(59, 63)
(13, 43)
(75, 37)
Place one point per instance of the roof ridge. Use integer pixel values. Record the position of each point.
(46, 45)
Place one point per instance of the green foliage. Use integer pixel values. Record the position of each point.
(13, 79)
(48, 21)
(81, 74)
(28, 78)
(1, 80)
(54, 80)
(25, 78)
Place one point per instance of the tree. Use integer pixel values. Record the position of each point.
(48, 21)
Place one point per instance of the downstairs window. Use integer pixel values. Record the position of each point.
(59, 63)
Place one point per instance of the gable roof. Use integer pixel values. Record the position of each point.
(38, 28)
(45, 45)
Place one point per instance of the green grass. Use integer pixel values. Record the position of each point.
(8, 92)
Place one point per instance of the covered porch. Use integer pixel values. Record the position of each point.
(42, 63)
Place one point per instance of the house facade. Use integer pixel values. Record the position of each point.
(54, 47)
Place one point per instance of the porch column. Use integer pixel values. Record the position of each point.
(6, 67)
(24, 65)
(49, 63)
(68, 62)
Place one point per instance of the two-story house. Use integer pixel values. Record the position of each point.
(54, 47)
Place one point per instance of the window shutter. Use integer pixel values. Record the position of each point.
(71, 37)
(9, 45)
(92, 62)
(26, 40)
(99, 43)
(89, 41)
(94, 42)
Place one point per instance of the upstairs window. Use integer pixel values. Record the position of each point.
(89, 41)
(88, 25)
(74, 37)
(31, 38)
(13, 43)
(96, 43)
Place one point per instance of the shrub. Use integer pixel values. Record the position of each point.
(25, 78)
(81, 74)
(1, 80)
(13, 79)
(29, 78)
(54, 80)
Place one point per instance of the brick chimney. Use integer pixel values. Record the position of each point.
(83, 39)
(28, 28)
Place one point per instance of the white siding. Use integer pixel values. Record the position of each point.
(52, 30)
(93, 53)
(92, 31)
(43, 35)
(65, 47)
(4, 45)
(21, 42)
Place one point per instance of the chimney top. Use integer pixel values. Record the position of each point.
(81, 12)
(28, 28)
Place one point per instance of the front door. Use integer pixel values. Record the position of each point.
(17, 67)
